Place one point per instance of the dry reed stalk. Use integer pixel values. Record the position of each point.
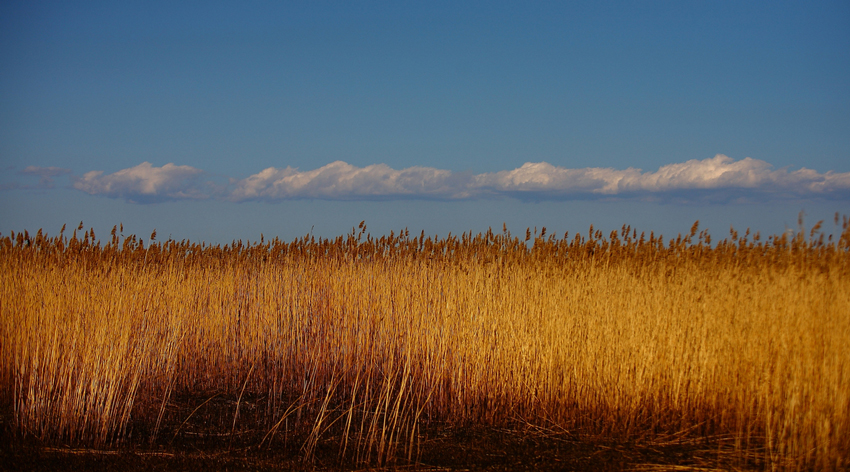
(623, 337)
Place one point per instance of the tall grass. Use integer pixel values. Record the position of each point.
(626, 337)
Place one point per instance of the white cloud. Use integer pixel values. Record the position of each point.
(718, 172)
(339, 180)
(144, 182)
(752, 176)
(719, 178)
(543, 178)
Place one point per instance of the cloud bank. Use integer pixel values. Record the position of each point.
(747, 177)
(144, 183)
(342, 181)
(719, 178)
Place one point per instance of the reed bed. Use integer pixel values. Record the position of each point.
(740, 344)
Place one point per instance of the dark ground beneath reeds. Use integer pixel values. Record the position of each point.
(199, 445)
(468, 449)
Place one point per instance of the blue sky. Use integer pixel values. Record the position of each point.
(218, 121)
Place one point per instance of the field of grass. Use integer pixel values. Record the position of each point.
(367, 346)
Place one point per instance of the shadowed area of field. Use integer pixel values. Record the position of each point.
(473, 449)
(198, 445)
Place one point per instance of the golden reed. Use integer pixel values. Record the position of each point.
(742, 344)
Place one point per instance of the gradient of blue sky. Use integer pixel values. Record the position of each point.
(469, 87)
